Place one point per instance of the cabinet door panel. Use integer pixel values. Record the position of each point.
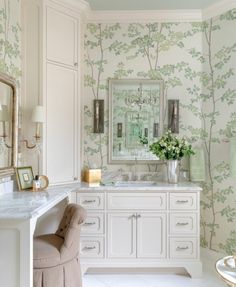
(183, 248)
(151, 235)
(183, 201)
(183, 223)
(121, 235)
(142, 201)
(60, 130)
(91, 247)
(91, 201)
(61, 37)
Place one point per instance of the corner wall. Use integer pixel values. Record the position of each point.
(218, 126)
(200, 75)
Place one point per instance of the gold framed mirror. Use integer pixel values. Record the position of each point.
(8, 125)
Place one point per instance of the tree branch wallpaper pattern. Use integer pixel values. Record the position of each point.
(197, 63)
(10, 60)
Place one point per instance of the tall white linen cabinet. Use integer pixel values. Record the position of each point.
(52, 63)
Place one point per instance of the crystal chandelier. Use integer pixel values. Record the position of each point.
(141, 98)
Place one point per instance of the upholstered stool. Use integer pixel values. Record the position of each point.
(56, 260)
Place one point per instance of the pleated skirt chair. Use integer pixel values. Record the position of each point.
(56, 256)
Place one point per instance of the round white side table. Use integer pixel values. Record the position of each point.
(226, 268)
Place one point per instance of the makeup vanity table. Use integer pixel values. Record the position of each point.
(19, 213)
(127, 226)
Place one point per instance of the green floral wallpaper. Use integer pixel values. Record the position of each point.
(10, 61)
(161, 51)
(218, 116)
(197, 62)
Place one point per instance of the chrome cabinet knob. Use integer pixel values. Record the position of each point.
(179, 248)
(89, 201)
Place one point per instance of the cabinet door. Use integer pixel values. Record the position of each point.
(61, 152)
(151, 235)
(121, 235)
(61, 37)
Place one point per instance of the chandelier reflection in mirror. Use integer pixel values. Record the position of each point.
(142, 97)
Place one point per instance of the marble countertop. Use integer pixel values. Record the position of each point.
(28, 204)
(158, 186)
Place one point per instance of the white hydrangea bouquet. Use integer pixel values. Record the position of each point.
(170, 147)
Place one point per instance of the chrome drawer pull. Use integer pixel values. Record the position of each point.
(181, 201)
(89, 223)
(89, 247)
(182, 223)
(89, 201)
(182, 248)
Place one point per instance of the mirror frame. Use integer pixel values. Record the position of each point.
(161, 116)
(6, 79)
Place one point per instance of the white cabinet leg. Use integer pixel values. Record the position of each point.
(194, 269)
(26, 252)
(84, 269)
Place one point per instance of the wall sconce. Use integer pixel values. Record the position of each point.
(233, 157)
(38, 117)
(4, 118)
(173, 116)
(155, 130)
(98, 120)
(146, 132)
(119, 130)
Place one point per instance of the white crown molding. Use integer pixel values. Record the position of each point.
(218, 9)
(145, 16)
(124, 16)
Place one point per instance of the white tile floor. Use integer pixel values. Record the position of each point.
(209, 278)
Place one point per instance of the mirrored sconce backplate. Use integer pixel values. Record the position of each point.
(173, 116)
(98, 118)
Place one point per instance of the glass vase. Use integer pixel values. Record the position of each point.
(172, 171)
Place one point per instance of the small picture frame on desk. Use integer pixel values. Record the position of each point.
(25, 177)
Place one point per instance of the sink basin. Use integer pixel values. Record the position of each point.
(135, 183)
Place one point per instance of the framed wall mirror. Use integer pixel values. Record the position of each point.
(136, 119)
(8, 125)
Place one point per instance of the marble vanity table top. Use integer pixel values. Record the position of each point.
(158, 186)
(27, 204)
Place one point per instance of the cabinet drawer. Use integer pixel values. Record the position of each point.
(183, 223)
(91, 201)
(183, 201)
(144, 201)
(183, 248)
(94, 224)
(91, 247)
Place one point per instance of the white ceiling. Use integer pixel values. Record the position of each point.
(150, 4)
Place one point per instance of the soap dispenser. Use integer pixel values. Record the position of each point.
(36, 183)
